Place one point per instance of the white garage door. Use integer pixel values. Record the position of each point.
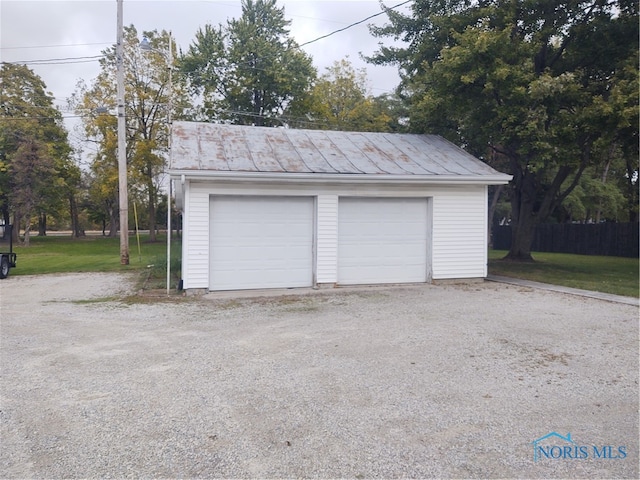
(260, 242)
(382, 240)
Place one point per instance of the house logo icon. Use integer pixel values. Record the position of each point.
(553, 435)
(554, 446)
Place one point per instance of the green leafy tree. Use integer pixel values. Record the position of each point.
(37, 173)
(394, 106)
(624, 157)
(534, 82)
(250, 70)
(148, 98)
(32, 174)
(601, 192)
(341, 101)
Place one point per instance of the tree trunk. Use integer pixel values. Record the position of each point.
(523, 219)
(258, 120)
(152, 211)
(42, 224)
(492, 210)
(27, 230)
(15, 231)
(532, 202)
(113, 222)
(604, 178)
(76, 231)
(521, 240)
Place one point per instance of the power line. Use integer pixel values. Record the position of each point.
(58, 61)
(355, 23)
(74, 62)
(71, 60)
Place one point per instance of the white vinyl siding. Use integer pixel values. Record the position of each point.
(195, 241)
(456, 243)
(327, 239)
(382, 240)
(460, 233)
(261, 242)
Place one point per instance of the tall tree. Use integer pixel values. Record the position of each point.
(32, 178)
(148, 97)
(532, 81)
(341, 101)
(250, 70)
(37, 172)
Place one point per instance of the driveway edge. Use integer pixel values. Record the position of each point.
(571, 291)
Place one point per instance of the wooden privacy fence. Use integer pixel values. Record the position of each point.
(610, 239)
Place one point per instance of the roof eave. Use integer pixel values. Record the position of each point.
(342, 178)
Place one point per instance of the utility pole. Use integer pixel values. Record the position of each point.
(122, 144)
(169, 127)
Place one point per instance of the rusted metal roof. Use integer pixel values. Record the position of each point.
(236, 148)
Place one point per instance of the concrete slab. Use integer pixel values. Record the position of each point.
(571, 291)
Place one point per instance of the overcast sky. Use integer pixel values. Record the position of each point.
(50, 29)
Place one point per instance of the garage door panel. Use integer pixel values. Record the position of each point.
(382, 240)
(353, 254)
(261, 242)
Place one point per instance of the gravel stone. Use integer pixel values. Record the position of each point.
(421, 381)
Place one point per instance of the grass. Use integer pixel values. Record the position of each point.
(601, 274)
(55, 254)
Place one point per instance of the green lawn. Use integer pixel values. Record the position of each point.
(601, 274)
(55, 254)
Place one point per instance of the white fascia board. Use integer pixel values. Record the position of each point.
(329, 178)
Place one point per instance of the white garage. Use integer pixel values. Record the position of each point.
(382, 240)
(283, 208)
(260, 242)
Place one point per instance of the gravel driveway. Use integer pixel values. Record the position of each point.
(418, 381)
